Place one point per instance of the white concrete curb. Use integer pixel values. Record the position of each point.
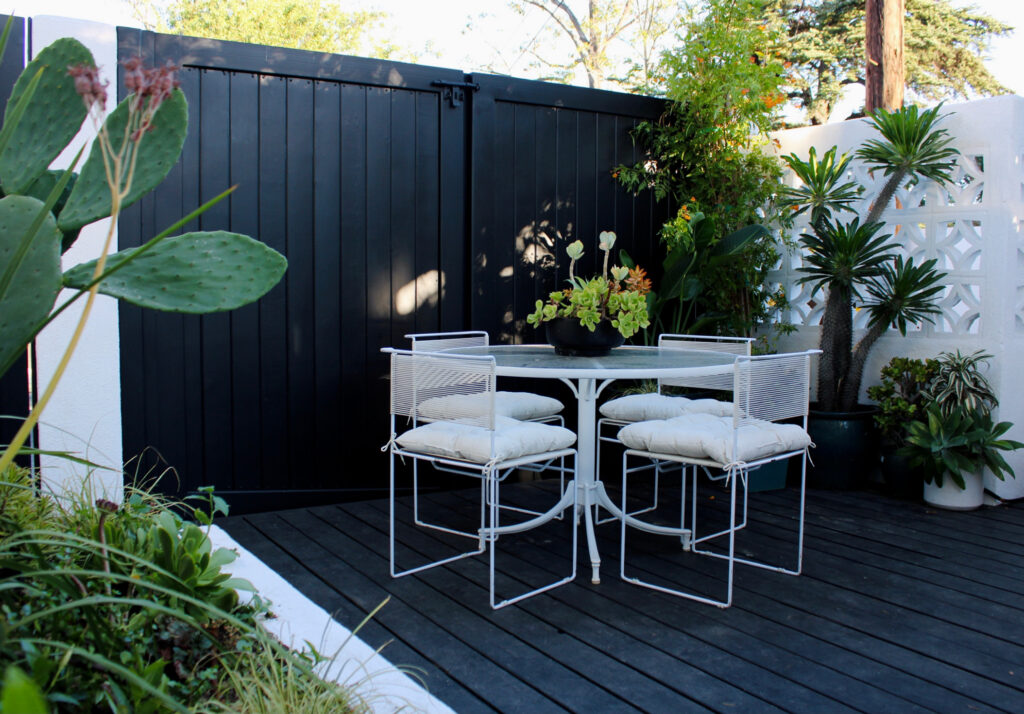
(299, 620)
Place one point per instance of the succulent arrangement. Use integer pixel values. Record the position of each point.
(902, 395)
(620, 299)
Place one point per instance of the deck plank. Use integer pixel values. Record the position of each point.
(900, 608)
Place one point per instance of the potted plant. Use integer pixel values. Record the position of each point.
(901, 398)
(957, 436)
(593, 315)
(850, 258)
(958, 444)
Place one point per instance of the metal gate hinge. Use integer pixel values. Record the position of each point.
(455, 92)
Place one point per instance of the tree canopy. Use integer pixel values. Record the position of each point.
(611, 43)
(823, 41)
(319, 25)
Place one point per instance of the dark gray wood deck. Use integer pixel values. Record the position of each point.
(901, 608)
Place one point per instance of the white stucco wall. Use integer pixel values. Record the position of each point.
(973, 229)
(84, 414)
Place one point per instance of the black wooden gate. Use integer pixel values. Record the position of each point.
(400, 207)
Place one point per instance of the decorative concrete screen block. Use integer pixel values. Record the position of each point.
(972, 229)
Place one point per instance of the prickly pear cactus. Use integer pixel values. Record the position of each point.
(158, 152)
(41, 189)
(54, 115)
(206, 271)
(32, 287)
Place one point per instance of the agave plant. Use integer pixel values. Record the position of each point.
(962, 441)
(845, 258)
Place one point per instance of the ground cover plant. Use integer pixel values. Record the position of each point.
(127, 608)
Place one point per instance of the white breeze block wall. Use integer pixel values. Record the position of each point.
(973, 229)
(84, 415)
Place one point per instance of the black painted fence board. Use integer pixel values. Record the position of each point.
(397, 211)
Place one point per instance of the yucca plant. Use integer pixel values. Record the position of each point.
(846, 257)
(961, 384)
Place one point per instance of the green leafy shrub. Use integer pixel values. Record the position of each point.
(705, 154)
(902, 395)
(126, 608)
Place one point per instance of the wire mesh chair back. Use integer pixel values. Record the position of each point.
(772, 387)
(419, 376)
(438, 341)
(726, 345)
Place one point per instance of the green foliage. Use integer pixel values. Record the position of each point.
(622, 300)
(960, 383)
(822, 189)
(201, 272)
(51, 120)
(842, 256)
(845, 257)
(20, 694)
(30, 279)
(156, 155)
(901, 395)
(124, 607)
(136, 145)
(956, 442)
(705, 155)
(316, 25)
(824, 42)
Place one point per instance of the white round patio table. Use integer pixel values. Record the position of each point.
(587, 377)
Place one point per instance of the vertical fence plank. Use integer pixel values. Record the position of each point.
(327, 396)
(274, 430)
(243, 138)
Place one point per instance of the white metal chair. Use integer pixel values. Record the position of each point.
(617, 413)
(473, 442)
(525, 406)
(766, 390)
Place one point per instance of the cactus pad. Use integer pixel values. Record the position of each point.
(158, 152)
(195, 273)
(54, 115)
(33, 290)
(41, 190)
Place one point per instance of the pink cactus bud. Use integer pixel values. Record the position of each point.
(88, 85)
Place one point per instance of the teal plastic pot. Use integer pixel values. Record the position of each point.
(846, 448)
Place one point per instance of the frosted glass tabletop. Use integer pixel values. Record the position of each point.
(629, 362)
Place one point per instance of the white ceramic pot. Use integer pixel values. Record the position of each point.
(954, 498)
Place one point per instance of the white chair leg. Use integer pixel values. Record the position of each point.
(493, 532)
(723, 603)
(395, 573)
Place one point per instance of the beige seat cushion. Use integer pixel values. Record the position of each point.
(515, 405)
(643, 407)
(703, 436)
(512, 439)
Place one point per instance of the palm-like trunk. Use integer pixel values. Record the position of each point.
(888, 190)
(836, 340)
(851, 382)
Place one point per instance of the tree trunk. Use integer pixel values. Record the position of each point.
(855, 374)
(883, 53)
(885, 195)
(836, 338)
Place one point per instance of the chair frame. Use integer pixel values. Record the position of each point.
(745, 407)
(404, 403)
(714, 343)
(440, 341)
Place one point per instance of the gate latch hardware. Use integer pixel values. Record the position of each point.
(455, 92)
